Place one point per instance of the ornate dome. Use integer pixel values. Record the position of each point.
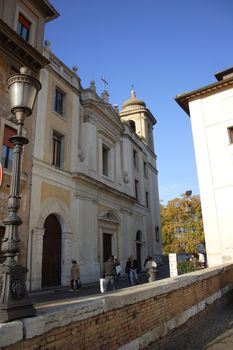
(133, 100)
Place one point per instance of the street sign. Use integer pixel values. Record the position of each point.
(173, 264)
(1, 174)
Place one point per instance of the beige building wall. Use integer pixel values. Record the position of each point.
(16, 52)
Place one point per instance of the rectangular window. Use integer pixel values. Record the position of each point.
(23, 27)
(145, 169)
(135, 158)
(105, 160)
(59, 102)
(7, 148)
(136, 188)
(147, 200)
(230, 134)
(57, 149)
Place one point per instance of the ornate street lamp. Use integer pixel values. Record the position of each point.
(14, 300)
(188, 204)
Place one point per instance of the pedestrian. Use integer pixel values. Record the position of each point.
(75, 276)
(195, 261)
(118, 271)
(127, 269)
(109, 273)
(201, 258)
(150, 269)
(147, 258)
(131, 270)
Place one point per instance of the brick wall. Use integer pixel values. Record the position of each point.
(129, 318)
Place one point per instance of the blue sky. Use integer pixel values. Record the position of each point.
(163, 48)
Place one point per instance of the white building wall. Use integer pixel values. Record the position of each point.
(85, 240)
(210, 118)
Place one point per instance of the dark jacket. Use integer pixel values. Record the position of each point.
(131, 265)
(109, 268)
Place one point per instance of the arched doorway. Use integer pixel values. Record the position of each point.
(138, 249)
(51, 263)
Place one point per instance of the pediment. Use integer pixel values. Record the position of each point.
(109, 112)
(101, 112)
(110, 216)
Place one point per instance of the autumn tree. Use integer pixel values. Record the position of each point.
(182, 226)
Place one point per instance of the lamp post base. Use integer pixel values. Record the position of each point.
(15, 302)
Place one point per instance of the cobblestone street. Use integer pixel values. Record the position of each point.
(213, 332)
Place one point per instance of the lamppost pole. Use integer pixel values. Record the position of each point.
(15, 302)
(188, 203)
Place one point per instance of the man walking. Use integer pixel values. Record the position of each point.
(109, 272)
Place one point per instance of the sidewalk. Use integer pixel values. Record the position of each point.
(60, 294)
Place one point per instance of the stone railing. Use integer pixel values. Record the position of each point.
(69, 75)
(130, 318)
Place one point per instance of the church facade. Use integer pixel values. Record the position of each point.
(94, 180)
(93, 176)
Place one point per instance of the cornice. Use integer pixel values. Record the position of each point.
(126, 135)
(183, 99)
(48, 8)
(139, 110)
(102, 186)
(52, 70)
(153, 168)
(19, 49)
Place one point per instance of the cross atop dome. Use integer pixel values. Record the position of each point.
(132, 92)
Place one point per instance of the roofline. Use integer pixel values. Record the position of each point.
(123, 113)
(14, 46)
(220, 75)
(49, 9)
(183, 99)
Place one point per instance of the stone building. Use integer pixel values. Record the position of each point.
(90, 180)
(21, 42)
(94, 180)
(211, 113)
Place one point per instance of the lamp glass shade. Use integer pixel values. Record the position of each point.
(23, 96)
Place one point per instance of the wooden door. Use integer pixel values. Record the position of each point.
(107, 246)
(51, 264)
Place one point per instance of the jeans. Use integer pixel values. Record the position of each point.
(109, 280)
(133, 277)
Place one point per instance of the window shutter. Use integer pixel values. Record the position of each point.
(8, 132)
(24, 21)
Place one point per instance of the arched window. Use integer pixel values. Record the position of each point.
(138, 249)
(138, 236)
(132, 125)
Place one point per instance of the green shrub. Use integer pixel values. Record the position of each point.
(185, 267)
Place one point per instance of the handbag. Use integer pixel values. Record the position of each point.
(118, 269)
(79, 284)
(102, 285)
